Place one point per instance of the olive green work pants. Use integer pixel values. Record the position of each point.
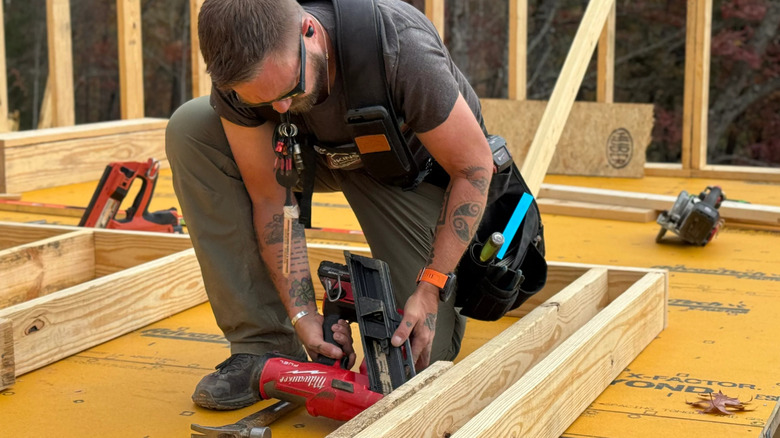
(398, 226)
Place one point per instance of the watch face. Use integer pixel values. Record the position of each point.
(449, 288)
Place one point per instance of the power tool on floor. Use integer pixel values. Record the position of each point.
(357, 292)
(694, 218)
(112, 190)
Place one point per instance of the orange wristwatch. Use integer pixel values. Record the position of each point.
(445, 282)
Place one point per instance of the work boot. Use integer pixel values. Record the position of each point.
(235, 384)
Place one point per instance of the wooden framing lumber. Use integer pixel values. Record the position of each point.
(7, 376)
(448, 402)
(434, 10)
(765, 174)
(41, 208)
(148, 276)
(697, 83)
(596, 211)
(331, 234)
(8, 196)
(46, 113)
(4, 123)
(518, 49)
(562, 274)
(15, 234)
(550, 128)
(118, 250)
(671, 170)
(545, 401)
(605, 79)
(201, 82)
(2, 170)
(745, 213)
(391, 401)
(45, 266)
(743, 173)
(69, 321)
(97, 129)
(60, 81)
(772, 426)
(131, 64)
(444, 405)
(59, 156)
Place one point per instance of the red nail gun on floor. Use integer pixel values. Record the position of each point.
(112, 190)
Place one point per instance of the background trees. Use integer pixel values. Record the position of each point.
(744, 117)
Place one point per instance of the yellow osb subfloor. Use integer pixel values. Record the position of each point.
(724, 326)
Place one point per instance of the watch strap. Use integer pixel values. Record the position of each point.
(433, 277)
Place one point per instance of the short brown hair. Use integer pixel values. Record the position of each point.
(236, 35)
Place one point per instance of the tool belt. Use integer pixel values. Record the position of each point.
(488, 290)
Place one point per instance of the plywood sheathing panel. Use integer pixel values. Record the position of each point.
(604, 139)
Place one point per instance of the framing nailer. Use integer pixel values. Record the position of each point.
(112, 189)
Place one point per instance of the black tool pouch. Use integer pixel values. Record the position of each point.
(487, 290)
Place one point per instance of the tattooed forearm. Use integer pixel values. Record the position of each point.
(431, 256)
(465, 218)
(479, 177)
(445, 203)
(302, 292)
(430, 321)
(274, 230)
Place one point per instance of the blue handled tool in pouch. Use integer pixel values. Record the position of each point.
(514, 223)
(489, 287)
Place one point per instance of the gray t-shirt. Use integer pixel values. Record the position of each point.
(424, 81)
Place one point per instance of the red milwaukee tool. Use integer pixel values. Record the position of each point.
(112, 190)
(326, 390)
(357, 292)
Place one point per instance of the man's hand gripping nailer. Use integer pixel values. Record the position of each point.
(357, 292)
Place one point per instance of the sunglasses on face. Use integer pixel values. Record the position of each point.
(299, 89)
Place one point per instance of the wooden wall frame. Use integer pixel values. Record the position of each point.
(37, 159)
(597, 27)
(696, 99)
(590, 321)
(56, 278)
(150, 276)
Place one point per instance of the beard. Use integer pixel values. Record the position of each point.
(318, 92)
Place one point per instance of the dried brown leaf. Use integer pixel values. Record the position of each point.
(719, 404)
